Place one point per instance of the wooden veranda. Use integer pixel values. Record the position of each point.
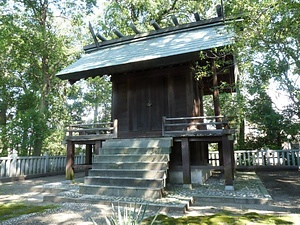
(90, 135)
(185, 130)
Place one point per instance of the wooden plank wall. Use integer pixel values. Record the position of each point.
(141, 99)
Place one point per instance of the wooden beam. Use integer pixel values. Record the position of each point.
(197, 16)
(88, 157)
(93, 35)
(70, 161)
(227, 159)
(118, 33)
(155, 25)
(219, 9)
(171, 95)
(133, 27)
(220, 150)
(101, 37)
(217, 108)
(98, 145)
(186, 163)
(175, 20)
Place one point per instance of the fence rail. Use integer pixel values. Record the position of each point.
(14, 166)
(261, 158)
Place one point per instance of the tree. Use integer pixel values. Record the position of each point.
(98, 97)
(268, 49)
(36, 53)
(118, 14)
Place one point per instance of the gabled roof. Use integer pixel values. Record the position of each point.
(158, 48)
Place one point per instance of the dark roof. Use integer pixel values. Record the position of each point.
(163, 47)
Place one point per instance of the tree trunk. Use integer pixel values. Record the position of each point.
(41, 128)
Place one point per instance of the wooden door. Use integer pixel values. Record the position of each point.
(147, 105)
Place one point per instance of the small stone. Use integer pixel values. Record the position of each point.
(229, 188)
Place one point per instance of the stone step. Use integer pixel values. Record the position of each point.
(131, 165)
(139, 143)
(121, 191)
(129, 168)
(132, 158)
(160, 207)
(139, 173)
(124, 182)
(135, 151)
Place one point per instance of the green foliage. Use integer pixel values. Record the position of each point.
(128, 215)
(98, 97)
(39, 38)
(267, 120)
(12, 210)
(32, 98)
(203, 67)
(268, 49)
(118, 14)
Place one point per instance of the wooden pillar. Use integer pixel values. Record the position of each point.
(171, 96)
(220, 150)
(204, 145)
(217, 108)
(186, 164)
(205, 154)
(88, 157)
(70, 160)
(216, 100)
(98, 145)
(227, 159)
(201, 94)
(232, 157)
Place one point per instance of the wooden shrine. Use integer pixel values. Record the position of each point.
(155, 92)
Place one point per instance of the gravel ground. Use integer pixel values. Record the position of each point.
(284, 188)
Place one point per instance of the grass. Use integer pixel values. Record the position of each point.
(12, 210)
(222, 218)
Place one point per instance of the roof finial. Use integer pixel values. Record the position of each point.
(133, 27)
(197, 16)
(155, 25)
(118, 33)
(175, 20)
(93, 34)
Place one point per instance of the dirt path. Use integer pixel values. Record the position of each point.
(283, 186)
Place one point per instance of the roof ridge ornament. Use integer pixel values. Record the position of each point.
(158, 29)
(133, 27)
(155, 25)
(101, 37)
(118, 33)
(175, 20)
(93, 35)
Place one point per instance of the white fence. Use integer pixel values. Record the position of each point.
(261, 158)
(13, 165)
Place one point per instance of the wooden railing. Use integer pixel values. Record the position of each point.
(14, 166)
(186, 126)
(261, 158)
(92, 131)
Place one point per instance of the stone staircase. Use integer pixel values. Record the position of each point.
(129, 168)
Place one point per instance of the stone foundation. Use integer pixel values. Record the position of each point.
(198, 176)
